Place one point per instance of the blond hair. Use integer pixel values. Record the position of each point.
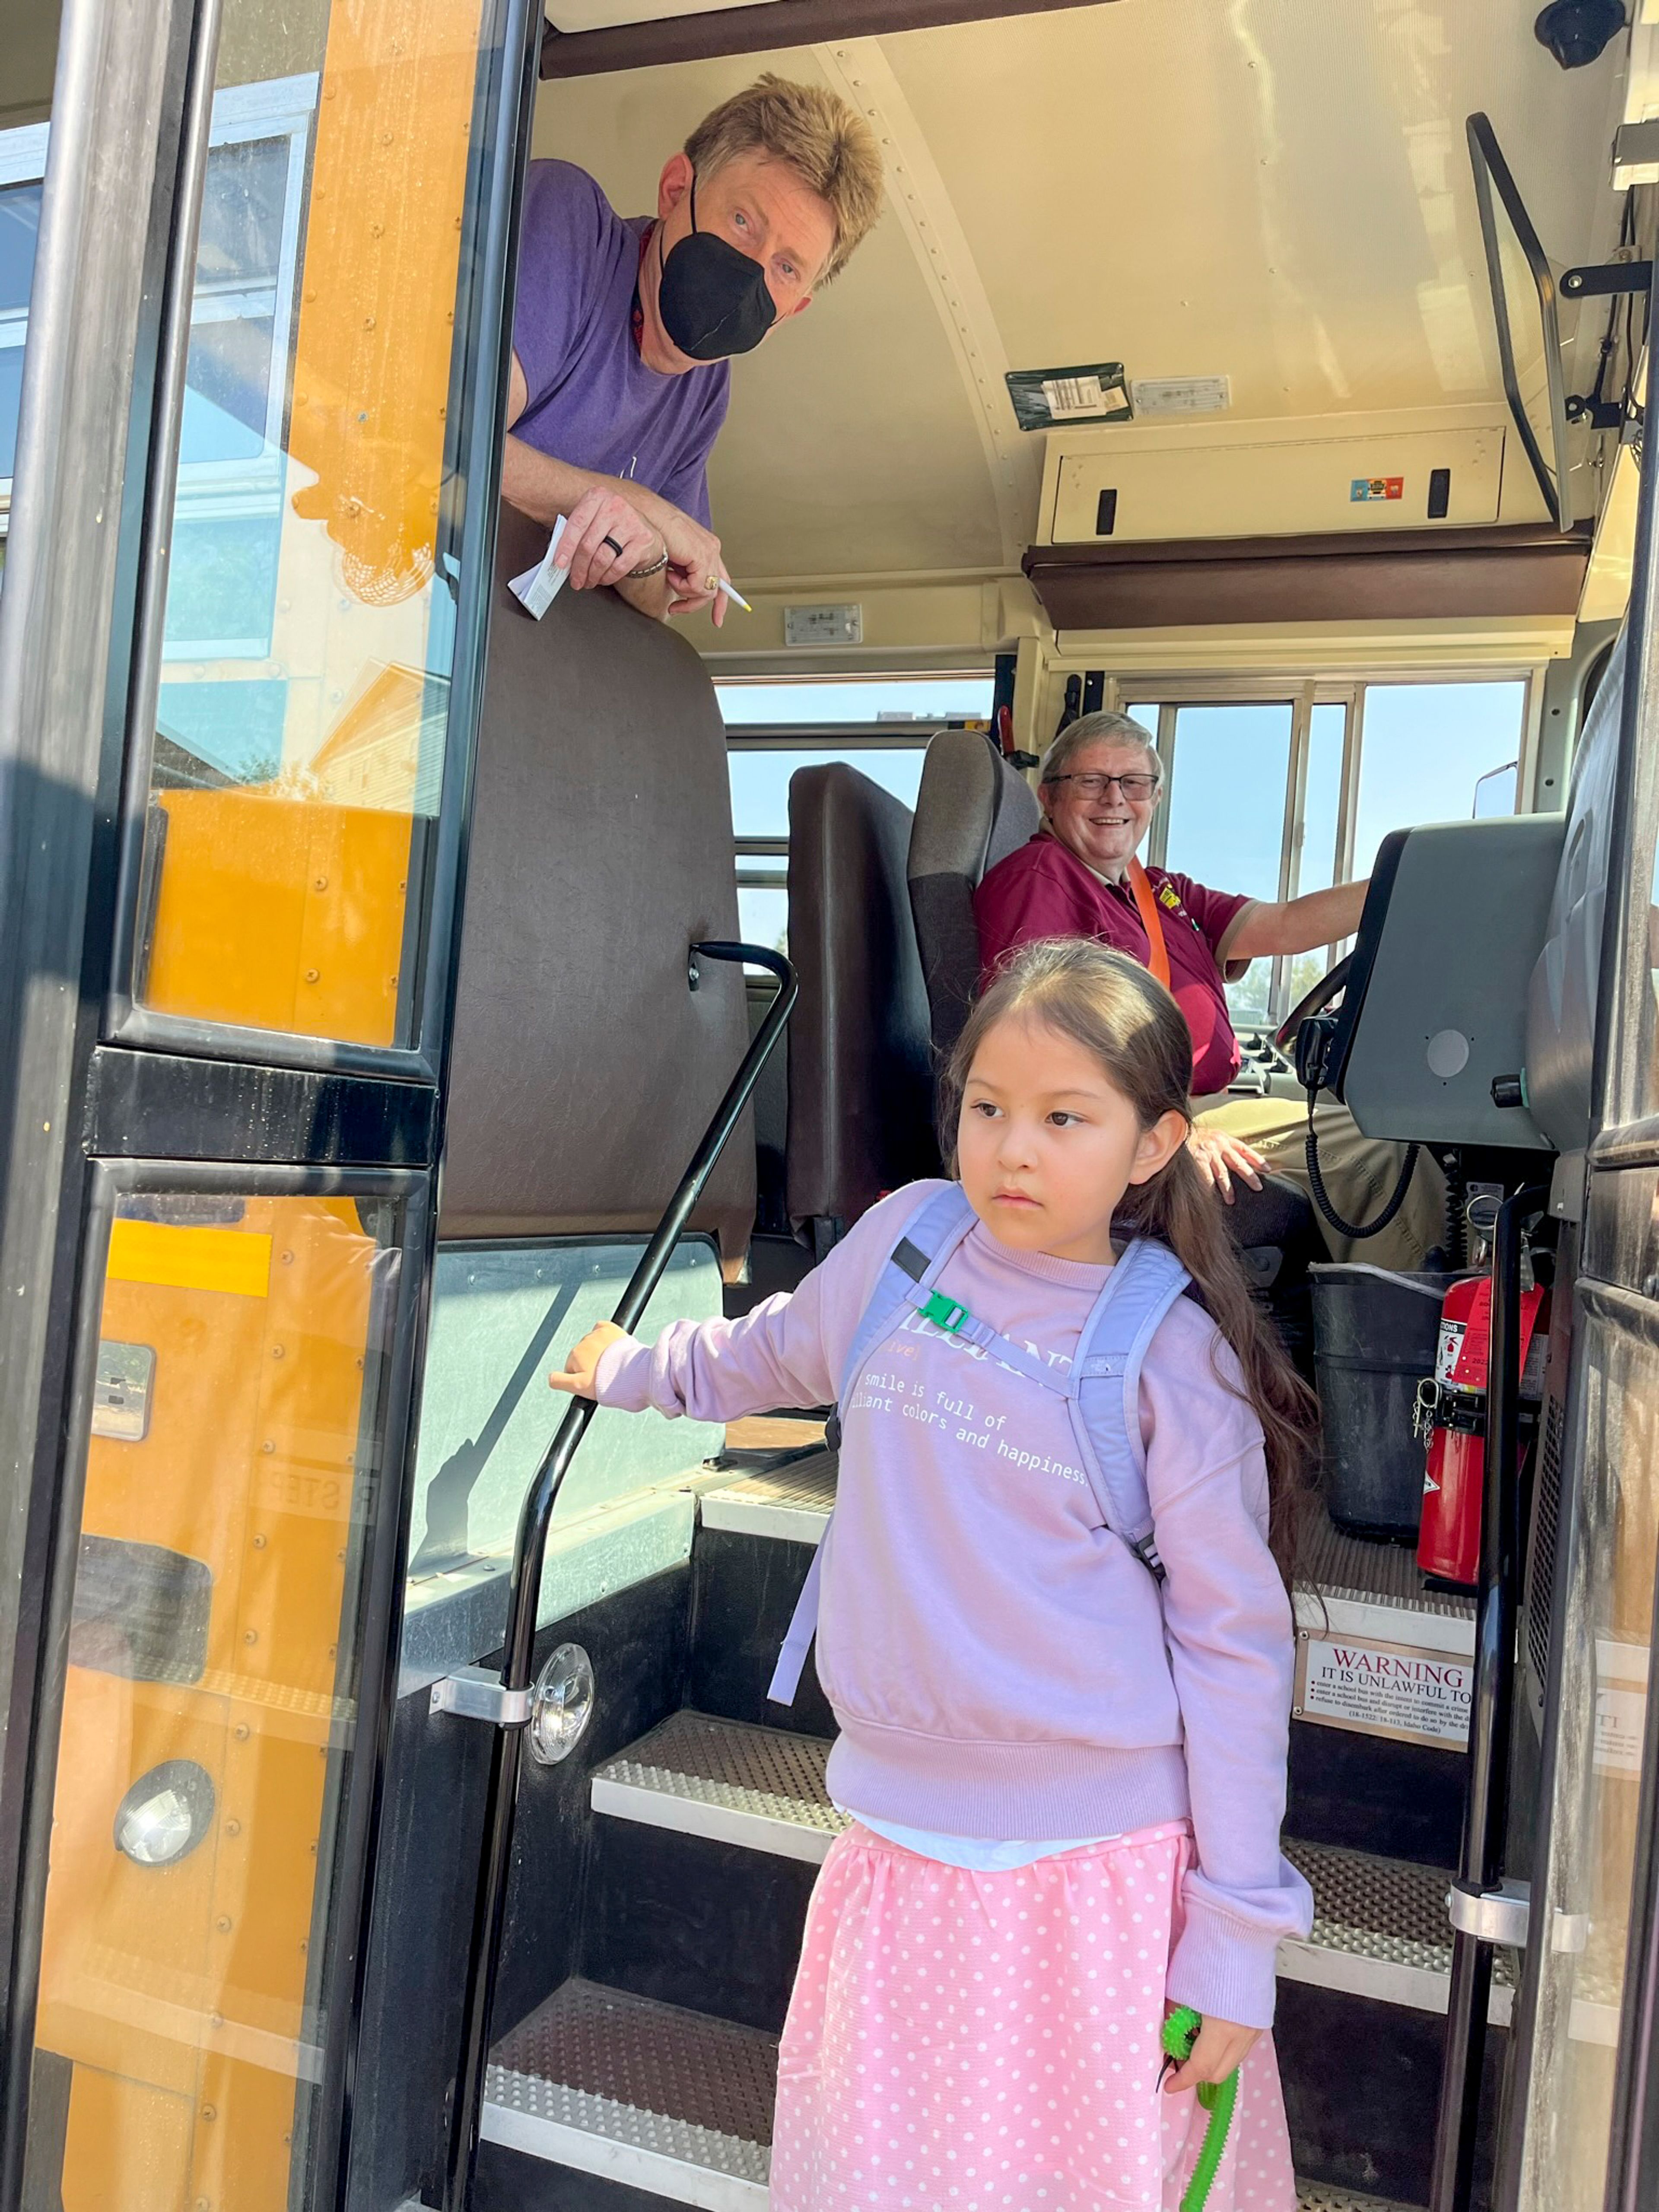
(830, 147)
(1126, 1020)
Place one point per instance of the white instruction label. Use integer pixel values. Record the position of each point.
(1384, 1689)
(1068, 396)
(1620, 1717)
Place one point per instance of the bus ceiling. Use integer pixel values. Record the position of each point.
(1259, 231)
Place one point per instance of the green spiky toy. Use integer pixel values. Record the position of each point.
(1216, 2097)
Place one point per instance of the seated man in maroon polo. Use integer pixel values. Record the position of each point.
(1101, 785)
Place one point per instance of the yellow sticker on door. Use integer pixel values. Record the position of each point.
(234, 1260)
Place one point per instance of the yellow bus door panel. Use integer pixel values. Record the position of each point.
(125, 2145)
(382, 248)
(189, 1982)
(118, 1935)
(243, 2146)
(188, 1257)
(280, 912)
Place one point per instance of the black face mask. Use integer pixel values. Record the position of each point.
(712, 300)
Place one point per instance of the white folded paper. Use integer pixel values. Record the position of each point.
(539, 586)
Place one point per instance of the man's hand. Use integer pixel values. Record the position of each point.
(576, 1377)
(641, 522)
(1219, 1157)
(605, 539)
(646, 527)
(694, 555)
(1221, 2045)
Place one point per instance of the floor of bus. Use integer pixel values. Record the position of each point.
(647, 2075)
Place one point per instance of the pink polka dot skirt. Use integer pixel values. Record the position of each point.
(962, 2042)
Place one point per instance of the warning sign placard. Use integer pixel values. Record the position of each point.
(1384, 1689)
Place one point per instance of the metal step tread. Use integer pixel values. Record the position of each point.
(791, 1501)
(672, 2102)
(1380, 1927)
(737, 1783)
(1387, 1910)
(1351, 1587)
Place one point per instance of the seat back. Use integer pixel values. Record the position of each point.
(584, 1067)
(861, 1072)
(973, 810)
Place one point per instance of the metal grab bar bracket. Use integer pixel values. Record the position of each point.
(1490, 1916)
(478, 1693)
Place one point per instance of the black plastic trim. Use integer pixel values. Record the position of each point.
(1363, 957)
(154, 1105)
(1491, 169)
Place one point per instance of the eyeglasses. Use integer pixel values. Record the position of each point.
(1134, 788)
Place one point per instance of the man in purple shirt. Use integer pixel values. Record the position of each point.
(620, 379)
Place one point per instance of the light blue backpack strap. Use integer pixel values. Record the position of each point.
(929, 1236)
(803, 1626)
(1106, 1389)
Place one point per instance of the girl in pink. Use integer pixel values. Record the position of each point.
(1066, 1776)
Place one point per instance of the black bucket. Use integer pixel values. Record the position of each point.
(1375, 1334)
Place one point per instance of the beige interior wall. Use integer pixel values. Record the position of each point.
(28, 58)
(1275, 193)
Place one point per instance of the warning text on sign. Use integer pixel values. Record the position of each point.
(1380, 1689)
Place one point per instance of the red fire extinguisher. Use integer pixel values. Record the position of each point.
(1451, 1415)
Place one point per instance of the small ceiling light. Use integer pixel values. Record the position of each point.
(560, 1704)
(166, 1813)
(1577, 31)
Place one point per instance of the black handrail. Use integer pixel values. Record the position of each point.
(1486, 1802)
(524, 1590)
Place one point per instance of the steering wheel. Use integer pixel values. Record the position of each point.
(1322, 993)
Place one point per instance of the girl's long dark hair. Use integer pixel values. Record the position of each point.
(1110, 1005)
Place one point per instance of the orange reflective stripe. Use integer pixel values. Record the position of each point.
(1157, 952)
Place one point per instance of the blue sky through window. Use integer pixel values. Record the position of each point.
(855, 699)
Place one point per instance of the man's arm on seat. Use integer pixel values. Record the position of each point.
(597, 506)
(1295, 925)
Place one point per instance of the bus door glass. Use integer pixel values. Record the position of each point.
(232, 1503)
(297, 757)
(1578, 2145)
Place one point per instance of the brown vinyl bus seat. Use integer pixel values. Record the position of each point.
(860, 1070)
(585, 1067)
(973, 810)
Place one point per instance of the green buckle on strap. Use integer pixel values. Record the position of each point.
(944, 1313)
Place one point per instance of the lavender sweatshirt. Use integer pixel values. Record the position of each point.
(994, 1656)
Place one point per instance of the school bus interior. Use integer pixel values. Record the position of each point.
(1270, 496)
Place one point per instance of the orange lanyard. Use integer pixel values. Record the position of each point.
(1157, 953)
